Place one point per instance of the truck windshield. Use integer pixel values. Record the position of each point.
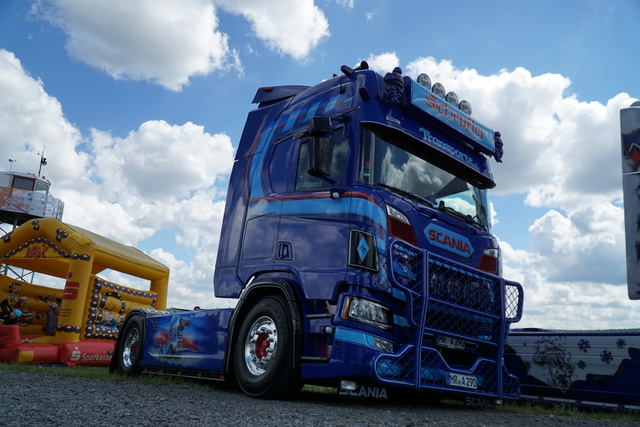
(387, 165)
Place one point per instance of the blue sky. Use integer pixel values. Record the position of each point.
(141, 103)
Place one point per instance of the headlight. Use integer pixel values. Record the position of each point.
(395, 213)
(367, 312)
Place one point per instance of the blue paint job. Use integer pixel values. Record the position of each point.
(432, 104)
(448, 240)
(283, 125)
(400, 321)
(189, 340)
(354, 337)
(348, 360)
(422, 217)
(273, 231)
(350, 204)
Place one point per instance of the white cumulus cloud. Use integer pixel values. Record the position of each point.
(291, 27)
(162, 41)
(169, 42)
(160, 179)
(160, 161)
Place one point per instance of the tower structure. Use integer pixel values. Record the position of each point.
(23, 197)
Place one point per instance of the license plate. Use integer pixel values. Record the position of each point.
(450, 342)
(465, 381)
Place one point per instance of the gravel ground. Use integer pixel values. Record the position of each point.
(54, 400)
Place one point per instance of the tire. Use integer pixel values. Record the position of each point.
(263, 352)
(130, 349)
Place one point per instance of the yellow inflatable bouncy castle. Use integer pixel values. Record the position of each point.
(76, 325)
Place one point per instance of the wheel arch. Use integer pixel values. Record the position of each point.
(141, 313)
(254, 292)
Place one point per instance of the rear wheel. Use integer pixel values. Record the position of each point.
(130, 350)
(263, 351)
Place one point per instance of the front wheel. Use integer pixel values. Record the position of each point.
(263, 351)
(130, 350)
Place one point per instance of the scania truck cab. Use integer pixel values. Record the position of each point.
(357, 241)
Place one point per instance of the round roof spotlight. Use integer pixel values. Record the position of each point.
(424, 81)
(452, 99)
(465, 106)
(438, 89)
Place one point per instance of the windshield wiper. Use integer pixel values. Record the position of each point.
(406, 193)
(455, 213)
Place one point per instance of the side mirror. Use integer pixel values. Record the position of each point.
(320, 146)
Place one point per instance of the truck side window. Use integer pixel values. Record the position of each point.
(280, 160)
(306, 182)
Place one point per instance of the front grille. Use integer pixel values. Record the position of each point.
(447, 299)
(455, 299)
(467, 304)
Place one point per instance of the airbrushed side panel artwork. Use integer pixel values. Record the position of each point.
(189, 340)
(588, 368)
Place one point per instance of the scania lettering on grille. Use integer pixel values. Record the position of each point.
(448, 240)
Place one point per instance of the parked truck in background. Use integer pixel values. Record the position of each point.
(357, 240)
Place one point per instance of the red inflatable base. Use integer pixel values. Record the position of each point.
(85, 353)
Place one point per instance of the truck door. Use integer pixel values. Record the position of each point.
(267, 186)
(313, 236)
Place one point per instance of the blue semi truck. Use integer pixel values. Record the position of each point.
(356, 239)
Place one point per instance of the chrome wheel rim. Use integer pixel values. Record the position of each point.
(130, 348)
(261, 345)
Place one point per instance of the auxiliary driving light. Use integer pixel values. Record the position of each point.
(452, 99)
(424, 81)
(438, 89)
(465, 106)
